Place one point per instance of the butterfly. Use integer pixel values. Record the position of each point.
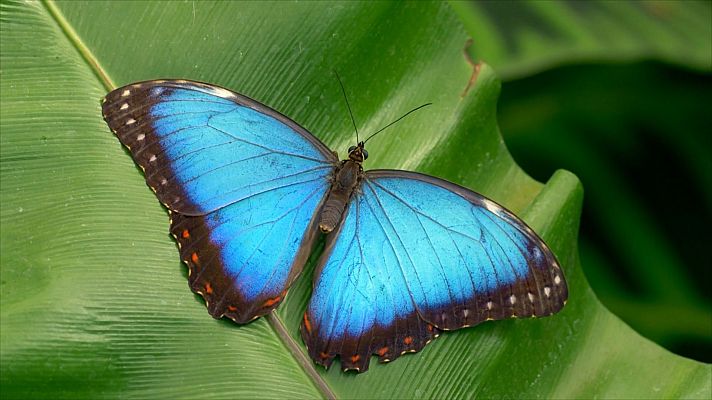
(249, 192)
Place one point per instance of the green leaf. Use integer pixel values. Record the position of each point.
(94, 299)
(608, 124)
(522, 38)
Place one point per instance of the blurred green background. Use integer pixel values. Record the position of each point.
(619, 93)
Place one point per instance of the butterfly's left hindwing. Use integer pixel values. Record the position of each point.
(242, 182)
(416, 255)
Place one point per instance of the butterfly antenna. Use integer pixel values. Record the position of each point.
(404, 115)
(353, 121)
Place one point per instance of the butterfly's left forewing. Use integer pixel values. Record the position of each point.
(415, 255)
(243, 184)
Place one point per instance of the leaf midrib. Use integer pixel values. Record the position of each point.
(274, 321)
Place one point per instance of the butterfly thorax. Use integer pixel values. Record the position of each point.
(346, 179)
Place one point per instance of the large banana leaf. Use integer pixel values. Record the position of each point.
(94, 300)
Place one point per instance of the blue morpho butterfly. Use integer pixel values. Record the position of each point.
(249, 190)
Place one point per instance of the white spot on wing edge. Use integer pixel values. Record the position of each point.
(124, 106)
(557, 279)
(140, 137)
(125, 93)
(156, 91)
(130, 121)
(491, 206)
(220, 92)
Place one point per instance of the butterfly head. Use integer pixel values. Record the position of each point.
(358, 153)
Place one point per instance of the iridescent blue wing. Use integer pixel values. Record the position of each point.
(242, 182)
(416, 255)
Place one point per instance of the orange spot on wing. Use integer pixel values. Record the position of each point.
(430, 328)
(354, 358)
(382, 351)
(194, 257)
(208, 288)
(185, 234)
(273, 301)
(231, 308)
(408, 340)
(324, 355)
(307, 323)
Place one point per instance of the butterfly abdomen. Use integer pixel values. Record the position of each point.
(346, 179)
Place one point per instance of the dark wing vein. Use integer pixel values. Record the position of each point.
(390, 222)
(442, 268)
(287, 237)
(500, 245)
(341, 292)
(252, 227)
(272, 188)
(272, 222)
(469, 272)
(265, 147)
(423, 214)
(393, 249)
(285, 244)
